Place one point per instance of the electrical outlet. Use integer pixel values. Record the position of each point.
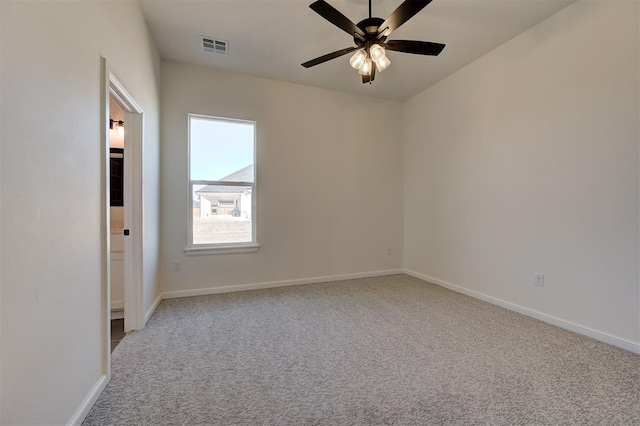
(539, 280)
(177, 266)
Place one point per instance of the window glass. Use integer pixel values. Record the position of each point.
(222, 182)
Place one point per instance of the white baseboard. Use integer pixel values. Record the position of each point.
(585, 331)
(152, 309)
(88, 401)
(117, 314)
(117, 309)
(273, 284)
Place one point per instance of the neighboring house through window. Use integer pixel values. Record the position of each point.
(222, 185)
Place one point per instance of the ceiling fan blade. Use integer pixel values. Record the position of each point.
(328, 57)
(402, 14)
(332, 15)
(372, 76)
(415, 47)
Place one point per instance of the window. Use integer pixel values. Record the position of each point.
(222, 185)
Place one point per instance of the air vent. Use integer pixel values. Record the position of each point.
(216, 46)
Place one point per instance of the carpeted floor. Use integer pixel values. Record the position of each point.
(387, 350)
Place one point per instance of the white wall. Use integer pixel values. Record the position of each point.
(329, 178)
(526, 161)
(50, 187)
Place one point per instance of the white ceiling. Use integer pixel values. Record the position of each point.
(271, 38)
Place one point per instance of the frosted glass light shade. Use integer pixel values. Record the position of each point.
(365, 69)
(358, 58)
(377, 52)
(382, 63)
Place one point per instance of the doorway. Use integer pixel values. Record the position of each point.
(117, 183)
(122, 295)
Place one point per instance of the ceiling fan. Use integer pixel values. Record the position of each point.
(370, 36)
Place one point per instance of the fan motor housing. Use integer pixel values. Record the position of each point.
(370, 28)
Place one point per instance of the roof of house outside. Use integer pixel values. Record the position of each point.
(220, 189)
(245, 174)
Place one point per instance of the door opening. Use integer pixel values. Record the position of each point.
(117, 183)
(122, 292)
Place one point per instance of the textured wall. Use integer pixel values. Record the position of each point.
(526, 161)
(52, 339)
(329, 178)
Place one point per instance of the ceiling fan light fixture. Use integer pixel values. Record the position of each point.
(370, 36)
(383, 63)
(357, 59)
(365, 69)
(377, 52)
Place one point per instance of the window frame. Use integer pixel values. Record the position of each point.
(222, 248)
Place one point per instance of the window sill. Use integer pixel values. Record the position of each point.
(199, 251)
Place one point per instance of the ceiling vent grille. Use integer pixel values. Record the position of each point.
(215, 46)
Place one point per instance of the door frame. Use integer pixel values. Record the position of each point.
(112, 87)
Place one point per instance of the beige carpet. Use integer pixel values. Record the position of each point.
(388, 350)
